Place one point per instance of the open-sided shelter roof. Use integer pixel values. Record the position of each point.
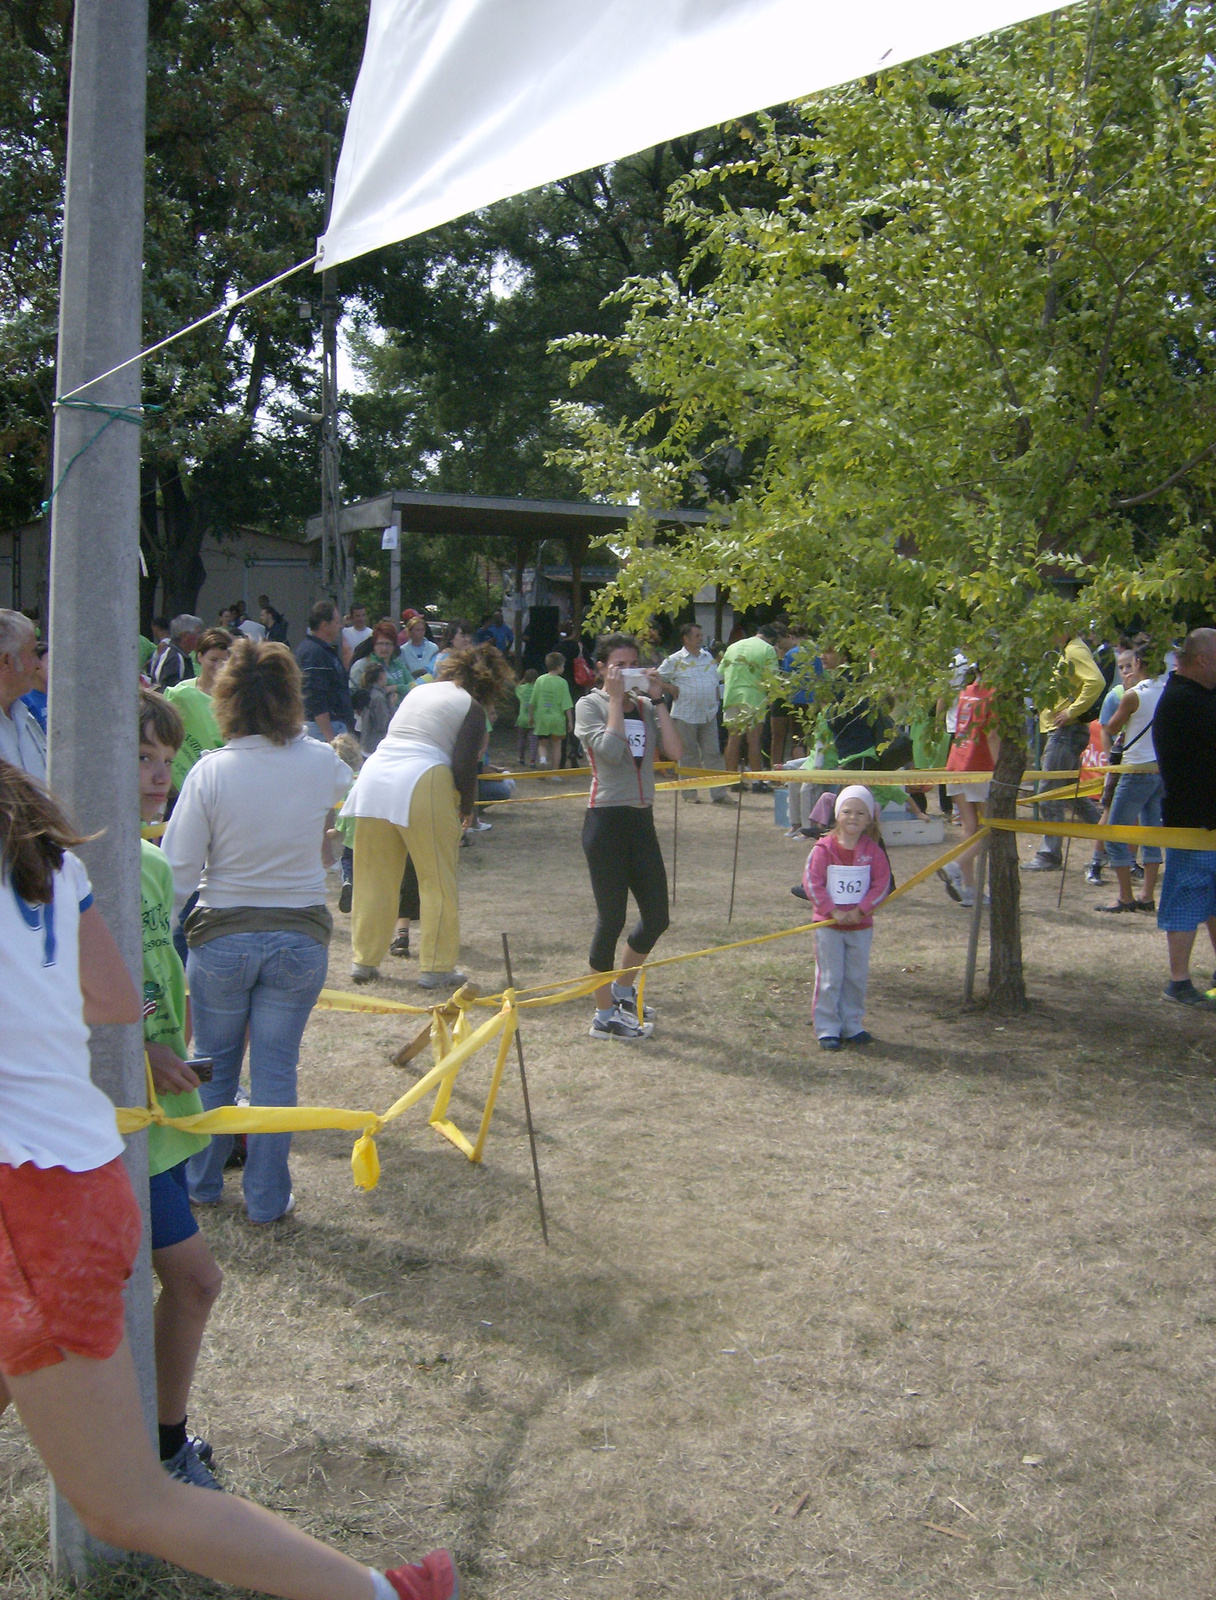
(505, 517)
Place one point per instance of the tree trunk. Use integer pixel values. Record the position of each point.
(1006, 983)
(182, 573)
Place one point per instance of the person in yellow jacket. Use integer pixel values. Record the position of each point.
(1067, 728)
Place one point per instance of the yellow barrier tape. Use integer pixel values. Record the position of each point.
(575, 988)
(453, 1047)
(551, 772)
(1070, 791)
(455, 1043)
(871, 778)
(1170, 838)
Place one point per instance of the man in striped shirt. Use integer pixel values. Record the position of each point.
(692, 674)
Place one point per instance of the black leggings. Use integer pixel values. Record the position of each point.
(623, 857)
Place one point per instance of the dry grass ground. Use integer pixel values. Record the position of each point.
(934, 1320)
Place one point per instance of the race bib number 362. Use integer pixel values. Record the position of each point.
(848, 885)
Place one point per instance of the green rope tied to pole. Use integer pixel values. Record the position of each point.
(133, 414)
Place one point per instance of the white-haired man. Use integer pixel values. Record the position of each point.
(175, 666)
(22, 741)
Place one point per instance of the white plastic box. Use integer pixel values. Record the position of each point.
(899, 828)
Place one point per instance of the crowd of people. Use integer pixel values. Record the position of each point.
(370, 741)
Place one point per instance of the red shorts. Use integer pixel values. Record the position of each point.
(68, 1242)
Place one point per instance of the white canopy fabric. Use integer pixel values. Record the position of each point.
(463, 102)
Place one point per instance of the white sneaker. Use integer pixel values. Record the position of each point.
(440, 980)
(480, 826)
(360, 974)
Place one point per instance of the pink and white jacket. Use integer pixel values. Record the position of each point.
(830, 860)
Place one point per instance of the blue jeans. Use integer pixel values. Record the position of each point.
(1062, 753)
(495, 788)
(1137, 800)
(268, 983)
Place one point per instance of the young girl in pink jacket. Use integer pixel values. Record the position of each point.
(847, 874)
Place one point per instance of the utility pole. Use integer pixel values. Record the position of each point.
(94, 592)
(335, 567)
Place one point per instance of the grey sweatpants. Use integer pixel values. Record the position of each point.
(842, 970)
(699, 742)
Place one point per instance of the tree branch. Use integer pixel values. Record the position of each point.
(1168, 483)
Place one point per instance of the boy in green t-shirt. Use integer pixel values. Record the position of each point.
(189, 1277)
(192, 700)
(551, 710)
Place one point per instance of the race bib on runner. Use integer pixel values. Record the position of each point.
(635, 732)
(848, 885)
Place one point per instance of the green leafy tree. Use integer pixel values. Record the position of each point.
(966, 355)
(241, 101)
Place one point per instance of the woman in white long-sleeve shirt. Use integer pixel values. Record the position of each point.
(248, 832)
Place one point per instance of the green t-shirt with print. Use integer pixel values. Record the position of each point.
(550, 702)
(164, 1004)
(202, 733)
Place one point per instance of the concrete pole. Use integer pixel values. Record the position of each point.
(94, 752)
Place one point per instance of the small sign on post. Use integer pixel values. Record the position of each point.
(388, 539)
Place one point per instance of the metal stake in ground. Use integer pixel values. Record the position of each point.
(675, 837)
(977, 913)
(1064, 869)
(523, 1083)
(734, 867)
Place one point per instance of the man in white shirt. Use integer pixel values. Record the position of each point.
(692, 674)
(237, 622)
(355, 631)
(22, 742)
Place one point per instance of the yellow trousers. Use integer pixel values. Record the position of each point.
(433, 840)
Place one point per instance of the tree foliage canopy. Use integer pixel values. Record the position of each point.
(968, 351)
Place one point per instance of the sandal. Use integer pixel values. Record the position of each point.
(1120, 905)
(1146, 905)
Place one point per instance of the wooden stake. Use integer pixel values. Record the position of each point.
(734, 870)
(523, 1082)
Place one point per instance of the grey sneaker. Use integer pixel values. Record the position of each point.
(440, 980)
(953, 889)
(186, 1467)
(360, 974)
(1042, 863)
(620, 1025)
(627, 1005)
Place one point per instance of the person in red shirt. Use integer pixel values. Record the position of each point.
(975, 749)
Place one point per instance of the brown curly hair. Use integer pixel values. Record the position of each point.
(482, 669)
(259, 690)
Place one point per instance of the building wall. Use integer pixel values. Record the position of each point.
(237, 569)
(23, 568)
(244, 568)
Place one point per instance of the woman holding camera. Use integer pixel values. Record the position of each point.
(622, 722)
